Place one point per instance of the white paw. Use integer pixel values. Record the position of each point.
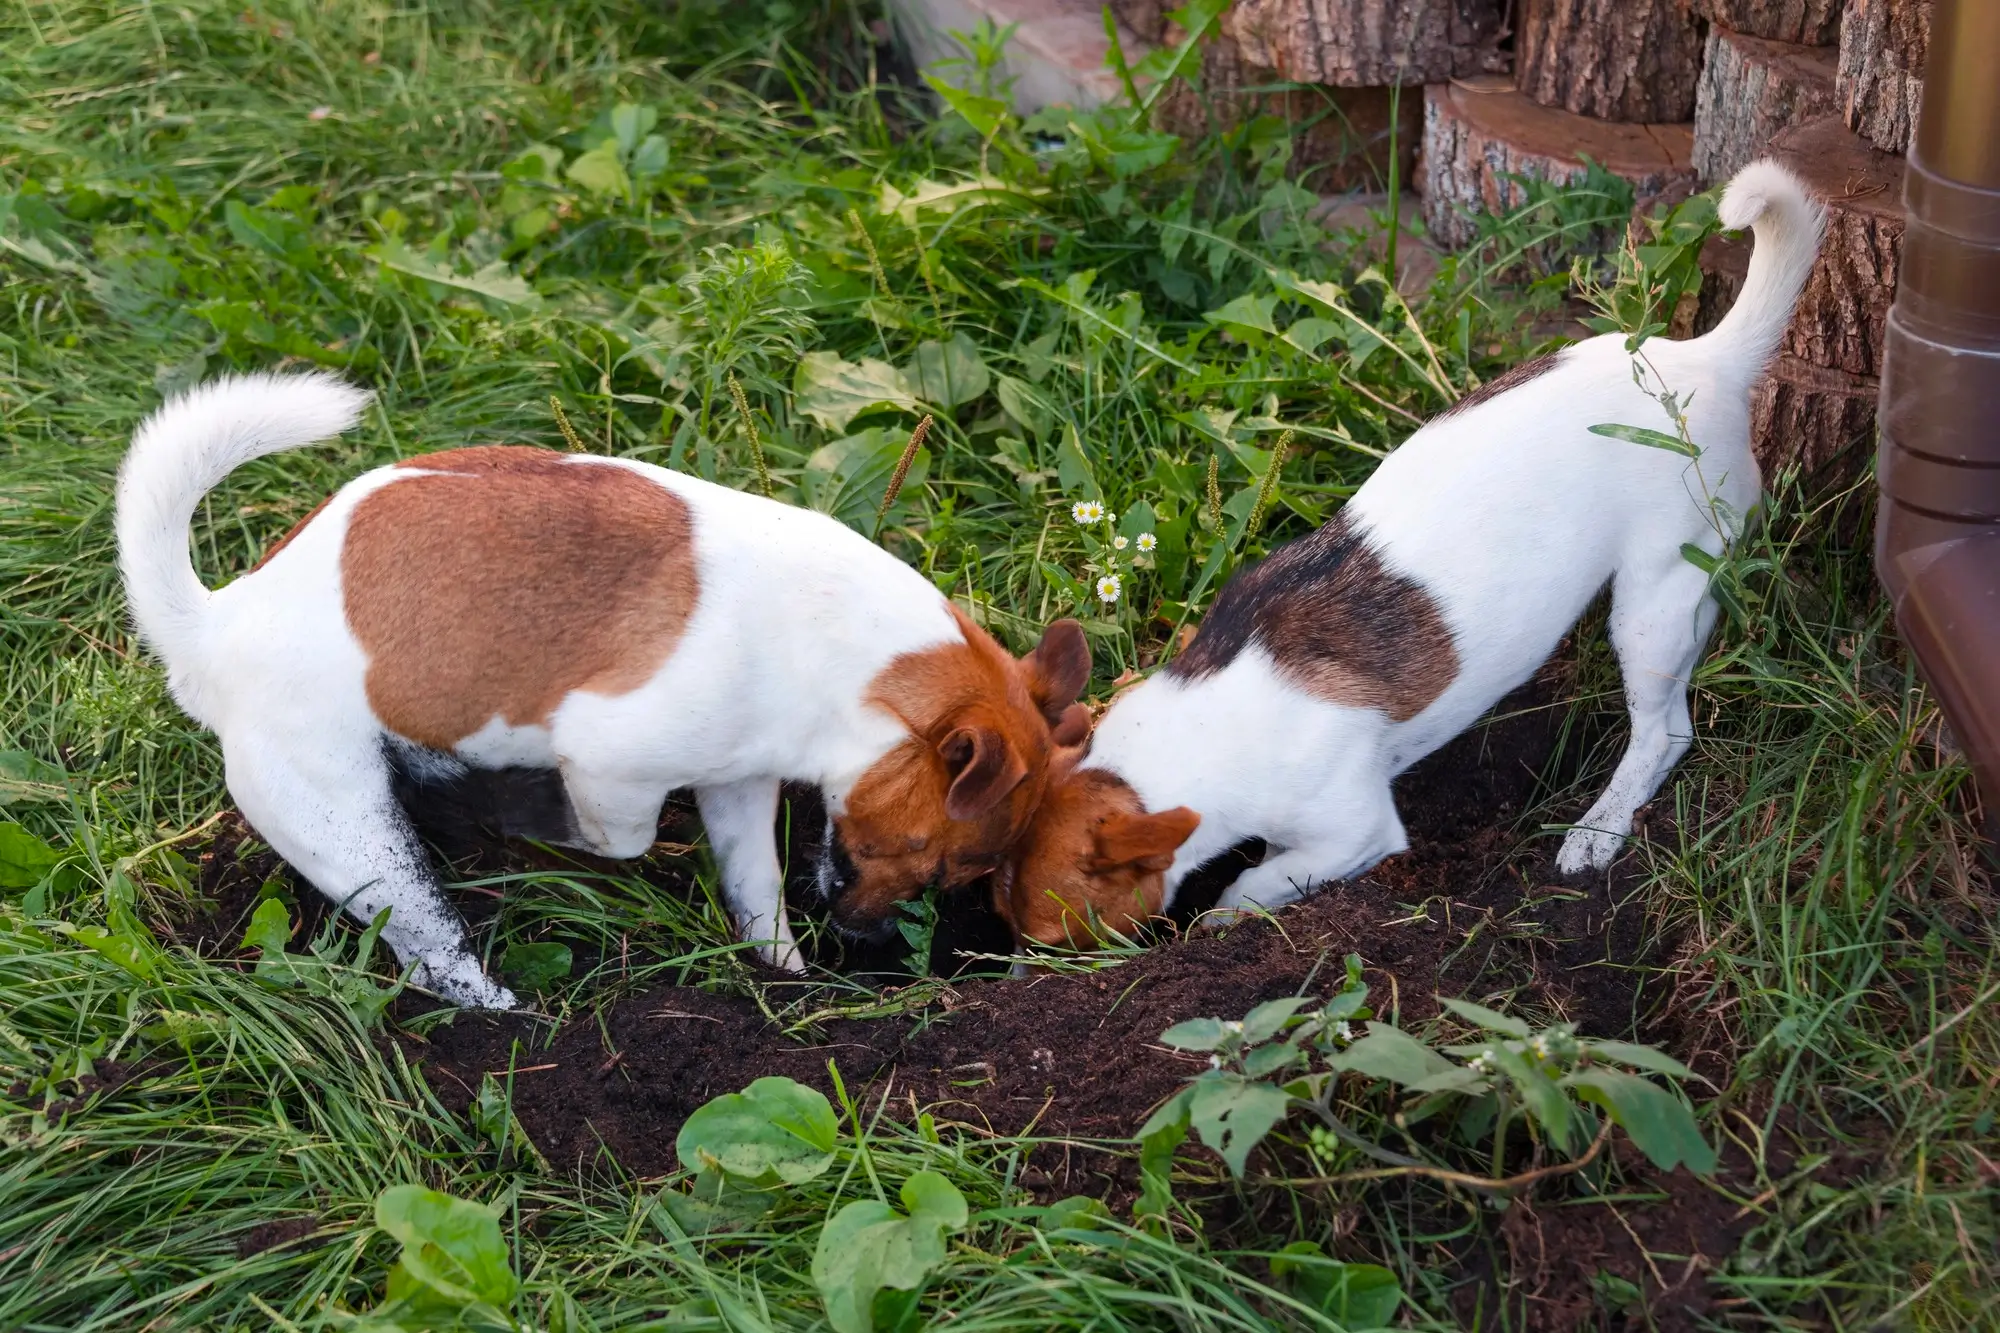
(459, 979)
(1588, 849)
(775, 945)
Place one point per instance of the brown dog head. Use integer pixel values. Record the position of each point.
(944, 806)
(1093, 860)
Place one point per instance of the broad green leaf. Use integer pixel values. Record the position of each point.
(257, 229)
(538, 161)
(849, 477)
(1079, 1212)
(1639, 1057)
(1196, 1034)
(1490, 1019)
(1538, 1093)
(1163, 1132)
(948, 374)
(1390, 1053)
(1073, 471)
(774, 1132)
(1652, 439)
(25, 860)
(496, 281)
(269, 931)
(1233, 1115)
(26, 780)
(1268, 1019)
(1247, 312)
(1358, 1297)
(869, 1246)
(536, 967)
(1026, 406)
(1311, 333)
(714, 1205)
(833, 392)
(984, 114)
(1268, 1060)
(1138, 518)
(953, 195)
(123, 947)
(453, 1247)
(600, 172)
(1660, 1123)
(630, 123)
(650, 157)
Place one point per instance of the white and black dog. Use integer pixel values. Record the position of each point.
(1324, 671)
(636, 629)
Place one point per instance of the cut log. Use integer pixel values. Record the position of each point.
(1881, 81)
(1750, 90)
(1808, 415)
(1341, 137)
(1630, 60)
(1476, 131)
(1808, 22)
(1367, 43)
(1145, 19)
(1844, 309)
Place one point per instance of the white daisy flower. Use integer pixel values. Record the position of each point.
(1087, 512)
(1119, 543)
(1108, 588)
(1147, 541)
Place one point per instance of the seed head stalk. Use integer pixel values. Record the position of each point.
(750, 429)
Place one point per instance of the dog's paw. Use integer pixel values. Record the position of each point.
(461, 981)
(1588, 849)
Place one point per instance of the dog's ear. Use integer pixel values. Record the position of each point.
(983, 768)
(1058, 669)
(1073, 728)
(1141, 841)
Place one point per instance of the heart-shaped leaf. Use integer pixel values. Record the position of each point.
(869, 1246)
(774, 1132)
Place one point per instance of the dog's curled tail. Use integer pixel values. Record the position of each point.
(1787, 222)
(178, 455)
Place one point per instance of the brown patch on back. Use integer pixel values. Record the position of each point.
(1338, 622)
(1512, 378)
(502, 578)
(295, 530)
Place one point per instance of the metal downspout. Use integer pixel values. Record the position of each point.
(1937, 533)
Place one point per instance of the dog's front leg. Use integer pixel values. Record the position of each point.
(741, 819)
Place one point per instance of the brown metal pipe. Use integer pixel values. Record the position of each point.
(1937, 534)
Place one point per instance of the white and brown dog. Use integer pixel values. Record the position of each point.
(1445, 582)
(636, 629)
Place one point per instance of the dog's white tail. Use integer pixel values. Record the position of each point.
(1787, 222)
(178, 455)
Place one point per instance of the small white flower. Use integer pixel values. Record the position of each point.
(1215, 1062)
(1147, 541)
(1108, 588)
(1343, 1031)
(1480, 1063)
(1540, 1046)
(319, 113)
(1120, 543)
(1087, 512)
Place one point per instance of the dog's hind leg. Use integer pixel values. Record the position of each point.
(327, 808)
(741, 819)
(1659, 623)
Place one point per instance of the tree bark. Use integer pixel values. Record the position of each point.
(1630, 60)
(1724, 263)
(1750, 91)
(1341, 137)
(1809, 415)
(1883, 44)
(1367, 43)
(1809, 22)
(1844, 310)
(1475, 131)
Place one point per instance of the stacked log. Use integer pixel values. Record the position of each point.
(1883, 44)
(1628, 60)
(1477, 131)
(1751, 89)
(1366, 43)
(1805, 22)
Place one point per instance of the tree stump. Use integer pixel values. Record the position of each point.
(1145, 19)
(1808, 22)
(1477, 130)
(1844, 309)
(1629, 60)
(1724, 262)
(1367, 43)
(1750, 90)
(1881, 79)
(1806, 414)
(1341, 136)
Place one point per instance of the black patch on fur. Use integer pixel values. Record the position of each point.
(1512, 378)
(1336, 620)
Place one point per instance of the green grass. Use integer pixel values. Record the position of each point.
(205, 187)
